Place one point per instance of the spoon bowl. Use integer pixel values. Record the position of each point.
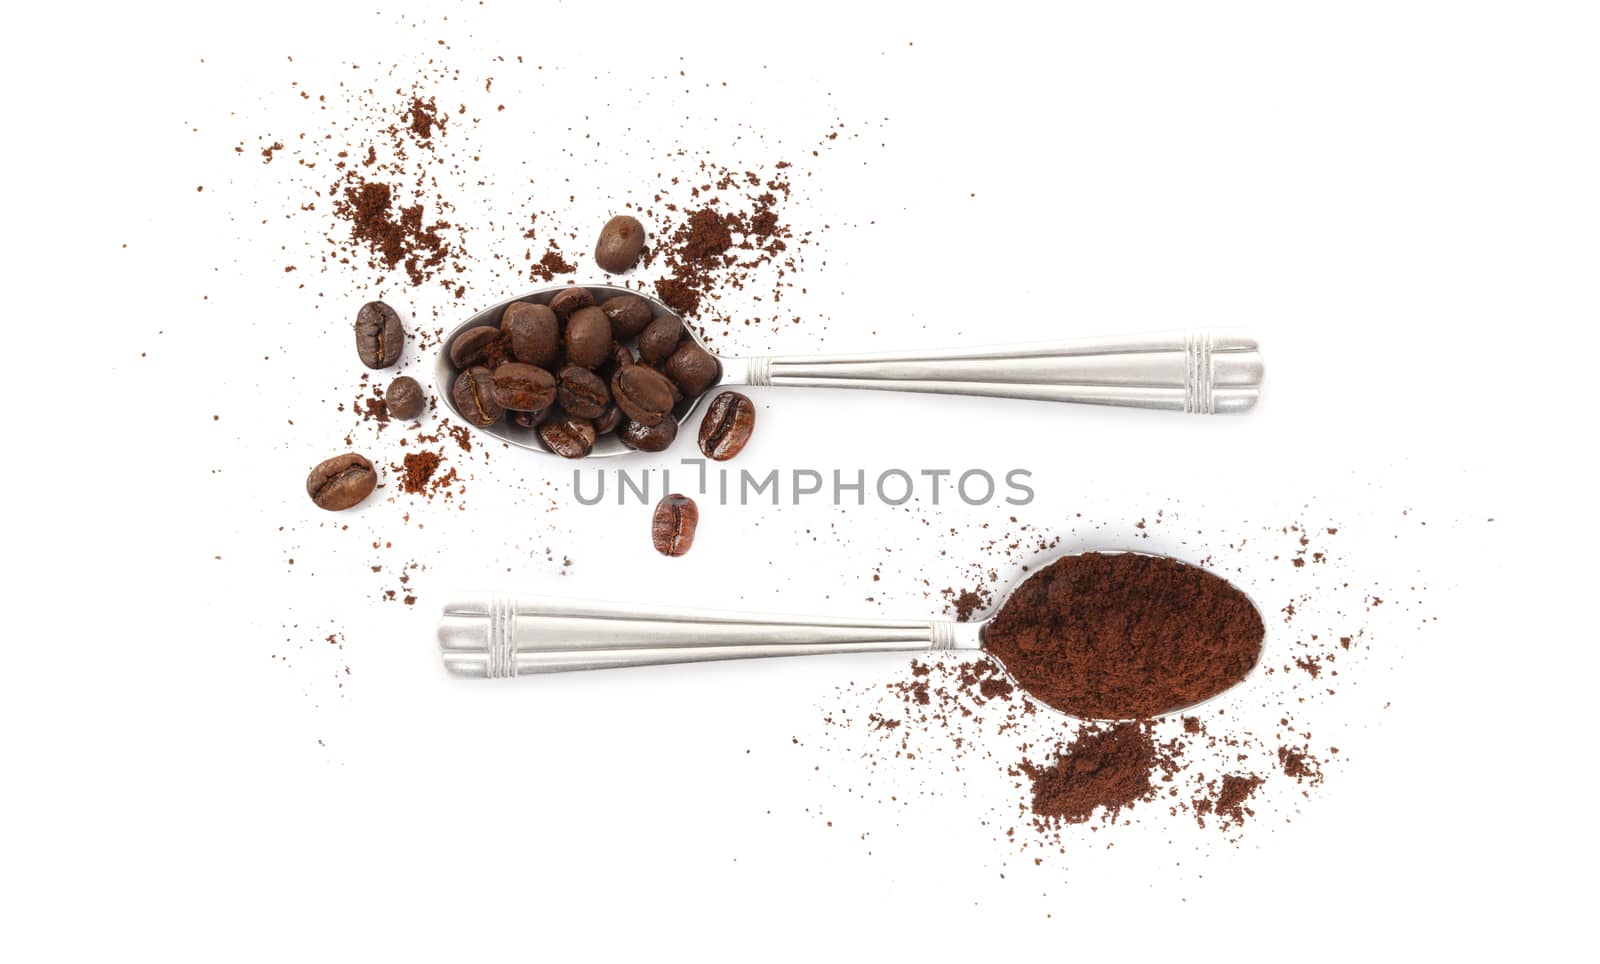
(500, 636)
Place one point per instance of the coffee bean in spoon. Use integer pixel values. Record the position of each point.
(341, 482)
(568, 300)
(691, 368)
(523, 388)
(648, 438)
(535, 333)
(621, 242)
(404, 398)
(582, 393)
(673, 526)
(726, 429)
(474, 396)
(568, 435)
(471, 347)
(379, 336)
(629, 315)
(609, 420)
(644, 394)
(531, 419)
(588, 339)
(659, 339)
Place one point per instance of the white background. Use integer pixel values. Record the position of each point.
(1399, 199)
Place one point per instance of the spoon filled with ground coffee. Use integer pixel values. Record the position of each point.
(1095, 635)
(585, 370)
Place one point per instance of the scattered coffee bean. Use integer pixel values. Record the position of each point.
(672, 528)
(473, 393)
(621, 242)
(629, 315)
(643, 394)
(535, 333)
(471, 347)
(341, 482)
(659, 339)
(379, 336)
(568, 300)
(609, 420)
(588, 337)
(727, 426)
(692, 368)
(568, 435)
(648, 438)
(582, 393)
(404, 398)
(523, 388)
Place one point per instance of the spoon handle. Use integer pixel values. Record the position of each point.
(498, 635)
(1202, 372)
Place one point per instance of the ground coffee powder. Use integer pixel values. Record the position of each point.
(1125, 636)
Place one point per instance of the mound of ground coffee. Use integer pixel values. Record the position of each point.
(1125, 636)
(1107, 768)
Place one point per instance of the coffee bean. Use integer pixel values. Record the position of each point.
(471, 347)
(568, 436)
(609, 420)
(727, 426)
(473, 393)
(643, 394)
(621, 242)
(628, 313)
(648, 438)
(524, 388)
(531, 419)
(621, 357)
(582, 393)
(588, 337)
(379, 337)
(672, 528)
(692, 368)
(659, 339)
(341, 482)
(535, 333)
(568, 300)
(404, 398)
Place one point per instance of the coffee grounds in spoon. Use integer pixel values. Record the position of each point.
(1125, 636)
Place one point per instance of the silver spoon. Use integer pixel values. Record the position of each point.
(492, 636)
(1202, 372)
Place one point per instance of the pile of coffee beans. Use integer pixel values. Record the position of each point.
(573, 370)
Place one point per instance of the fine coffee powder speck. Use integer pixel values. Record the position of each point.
(1125, 636)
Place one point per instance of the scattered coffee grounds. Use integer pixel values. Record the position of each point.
(1229, 804)
(1125, 636)
(1298, 763)
(395, 234)
(1104, 768)
(418, 470)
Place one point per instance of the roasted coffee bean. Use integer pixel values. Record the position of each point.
(582, 393)
(648, 438)
(672, 528)
(471, 347)
(659, 339)
(621, 242)
(568, 435)
(474, 397)
(643, 394)
(535, 334)
(621, 357)
(628, 313)
(588, 339)
(531, 419)
(404, 398)
(379, 337)
(727, 426)
(568, 300)
(691, 368)
(341, 482)
(609, 420)
(523, 388)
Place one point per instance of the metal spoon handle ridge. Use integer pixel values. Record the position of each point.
(1201, 372)
(500, 635)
